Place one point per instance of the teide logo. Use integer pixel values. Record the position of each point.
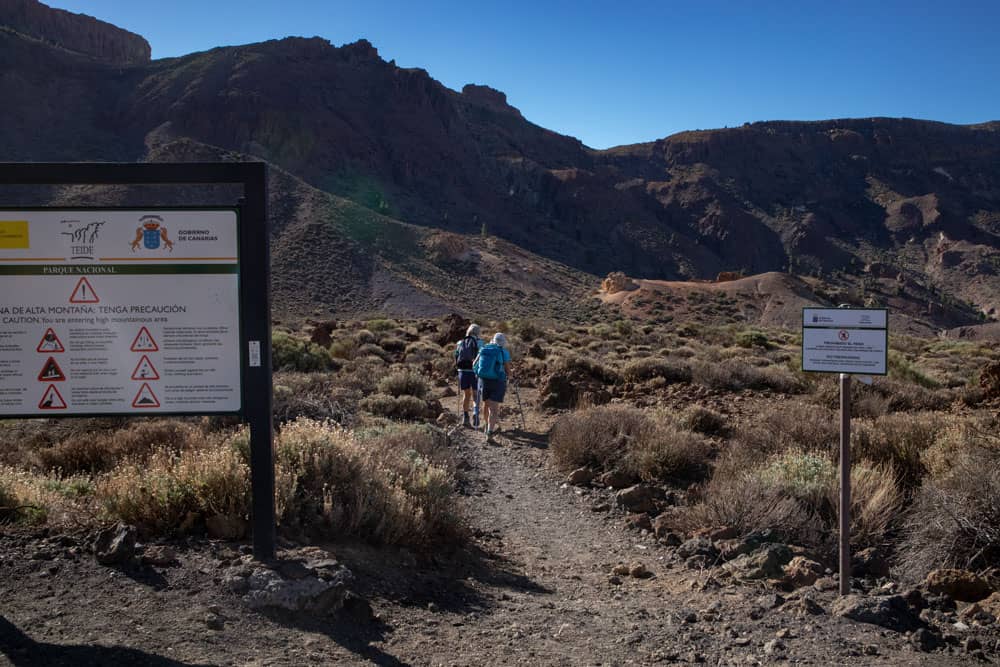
(81, 237)
(150, 233)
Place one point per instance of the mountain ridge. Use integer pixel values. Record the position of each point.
(917, 200)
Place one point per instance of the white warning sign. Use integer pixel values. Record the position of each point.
(145, 398)
(144, 342)
(119, 312)
(52, 399)
(145, 370)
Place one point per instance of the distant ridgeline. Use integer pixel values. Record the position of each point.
(373, 157)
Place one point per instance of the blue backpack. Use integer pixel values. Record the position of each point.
(489, 363)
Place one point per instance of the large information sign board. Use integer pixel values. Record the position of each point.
(119, 312)
(845, 340)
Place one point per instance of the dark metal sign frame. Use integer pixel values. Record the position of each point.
(254, 292)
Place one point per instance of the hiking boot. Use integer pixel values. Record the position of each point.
(465, 420)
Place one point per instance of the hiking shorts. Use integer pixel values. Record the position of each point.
(493, 390)
(466, 379)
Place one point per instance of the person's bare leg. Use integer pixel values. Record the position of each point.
(466, 400)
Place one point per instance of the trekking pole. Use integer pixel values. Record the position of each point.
(520, 408)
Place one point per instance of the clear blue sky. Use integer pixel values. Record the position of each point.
(621, 72)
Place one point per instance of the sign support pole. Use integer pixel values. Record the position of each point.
(845, 484)
(255, 292)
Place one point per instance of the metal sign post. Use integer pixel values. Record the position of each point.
(845, 484)
(845, 341)
(115, 311)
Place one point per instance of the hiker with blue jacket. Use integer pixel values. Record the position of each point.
(466, 351)
(491, 369)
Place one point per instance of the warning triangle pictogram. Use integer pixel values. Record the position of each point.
(50, 342)
(51, 372)
(144, 342)
(145, 398)
(145, 370)
(84, 292)
(52, 399)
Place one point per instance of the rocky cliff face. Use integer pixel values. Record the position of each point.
(919, 199)
(75, 32)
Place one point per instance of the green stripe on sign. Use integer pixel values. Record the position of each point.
(113, 269)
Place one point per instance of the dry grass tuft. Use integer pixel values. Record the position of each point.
(630, 440)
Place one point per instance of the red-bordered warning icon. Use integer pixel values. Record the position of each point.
(145, 398)
(50, 342)
(844, 335)
(144, 342)
(51, 372)
(84, 292)
(145, 370)
(52, 399)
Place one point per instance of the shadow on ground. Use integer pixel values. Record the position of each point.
(22, 650)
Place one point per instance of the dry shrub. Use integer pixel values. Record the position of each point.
(379, 489)
(394, 407)
(393, 345)
(421, 351)
(293, 354)
(380, 325)
(172, 491)
(955, 519)
(313, 395)
(628, 439)
(899, 441)
(22, 498)
(795, 494)
(704, 420)
(735, 375)
(595, 437)
(96, 452)
(588, 367)
(641, 370)
(364, 337)
(788, 426)
(343, 349)
(666, 451)
(403, 383)
(885, 394)
(373, 350)
(745, 505)
(958, 436)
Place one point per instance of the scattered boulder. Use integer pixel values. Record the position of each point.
(749, 543)
(315, 586)
(226, 526)
(638, 498)
(698, 546)
(160, 556)
(869, 563)
(989, 379)
(639, 571)
(764, 563)
(116, 545)
(618, 282)
(991, 605)
(322, 333)
(958, 584)
(665, 524)
(615, 479)
(640, 522)
(580, 477)
(800, 571)
(887, 611)
(452, 329)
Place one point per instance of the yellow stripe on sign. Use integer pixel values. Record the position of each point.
(13, 234)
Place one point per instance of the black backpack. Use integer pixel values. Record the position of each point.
(466, 351)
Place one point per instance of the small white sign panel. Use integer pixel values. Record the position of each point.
(119, 312)
(844, 351)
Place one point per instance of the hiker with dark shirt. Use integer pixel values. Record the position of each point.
(466, 351)
(491, 368)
